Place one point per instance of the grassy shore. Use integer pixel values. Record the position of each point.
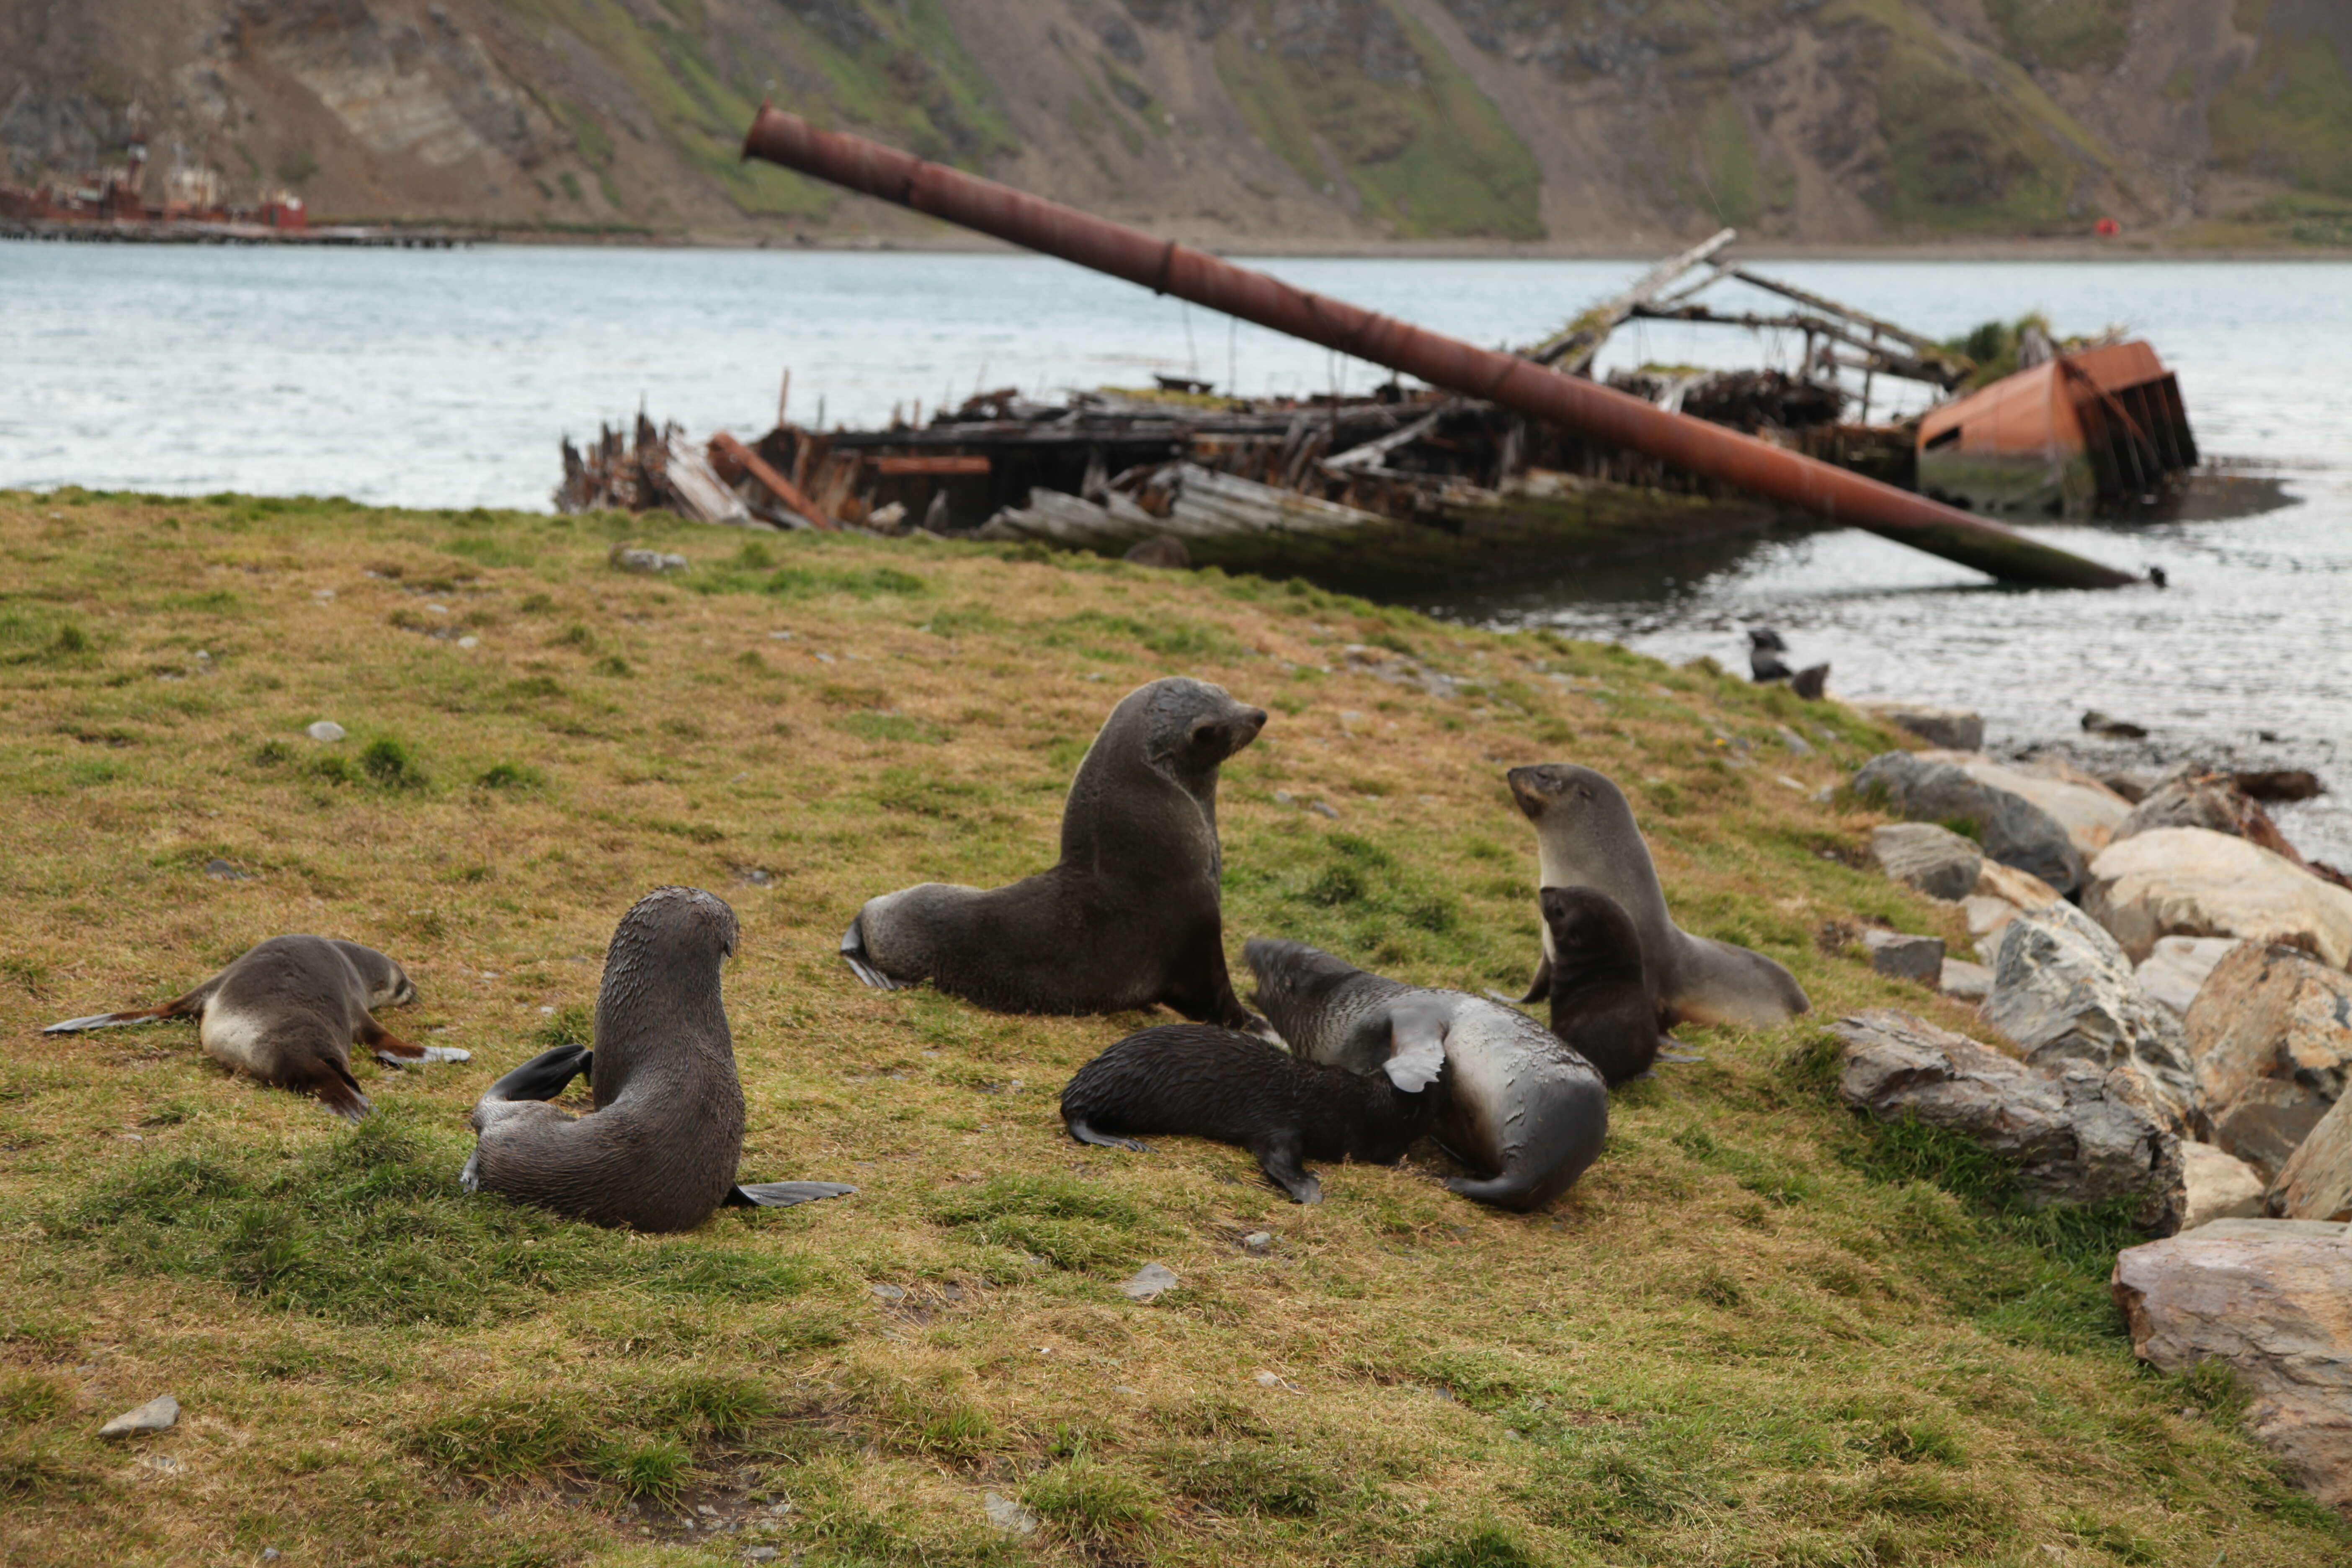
(1757, 1332)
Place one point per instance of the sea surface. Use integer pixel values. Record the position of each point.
(446, 379)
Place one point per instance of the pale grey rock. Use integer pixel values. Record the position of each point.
(1151, 1280)
(2194, 881)
(160, 1414)
(2276, 1229)
(2177, 969)
(1960, 729)
(2220, 1186)
(1936, 860)
(1965, 982)
(325, 729)
(888, 1292)
(2277, 1309)
(2012, 829)
(1905, 956)
(2062, 990)
(1258, 1240)
(1007, 1515)
(650, 562)
(2078, 1134)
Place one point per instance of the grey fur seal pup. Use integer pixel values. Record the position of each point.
(1599, 1003)
(288, 1010)
(1130, 914)
(658, 1150)
(1196, 1080)
(1519, 1107)
(1585, 837)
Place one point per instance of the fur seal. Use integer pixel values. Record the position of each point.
(1585, 837)
(1197, 1080)
(658, 1150)
(1599, 1003)
(1517, 1105)
(1129, 915)
(288, 1010)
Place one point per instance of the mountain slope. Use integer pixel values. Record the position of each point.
(1578, 124)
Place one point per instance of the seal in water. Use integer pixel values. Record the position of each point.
(1585, 837)
(289, 1011)
(1196, 1080)
(1518, 1106)
(1599, 1004)
(1130, 914)
(658, 1149)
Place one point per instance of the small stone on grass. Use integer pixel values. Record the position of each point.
(158, 1415)
(1151, 1280)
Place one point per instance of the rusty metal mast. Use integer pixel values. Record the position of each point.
(1600, 411)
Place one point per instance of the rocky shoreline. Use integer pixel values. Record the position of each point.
(2167, 975)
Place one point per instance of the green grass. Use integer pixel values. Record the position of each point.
(1758, 1330)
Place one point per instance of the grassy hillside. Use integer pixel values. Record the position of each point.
(1755, 1332)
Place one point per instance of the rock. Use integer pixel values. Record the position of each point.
(160, 1414)
(2193, 882)
(2012, 829)
(1164, 549)
(2280, 784)
(1007, 1515)
(2097, 724)
(1258, 1240)
(2271, 1229)
(1151, 1280)
(2220, 1186)
(2080, 1134)
(761, 1554)
(1959, 728)
(1963, 981)
(223, 871)
(2088, 810)
(2278, 1310)
(2271, 1036)
(2186, 799)
(1936, 860)
(2133, 787)
(629, 558)
(1906, 957)
(2022, 889)
(2316, 1183)
(1322, 807)
(2175, 971)
(2062, 989)
(888, 1292)
(1794, 742)
(325, 729)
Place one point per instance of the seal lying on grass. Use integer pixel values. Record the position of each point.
(1519, 1108)
(659, 1150)
(1130, 915)
(289, 1012)
(1195, 1080)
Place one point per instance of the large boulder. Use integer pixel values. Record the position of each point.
(2012, 828)
(2079, 1134)
(1961, 729)
(2179, 966)
(2271, 1036)
(2194, 881)
(2088, 810)
(2062, 990)
(2317, 1182)
(1936, 860)
(2220, 1186)
(2000, 893)
(2278, 1311)
(2190, 798)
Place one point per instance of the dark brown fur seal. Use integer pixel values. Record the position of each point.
(1599, 1005)
(289, 1012)
(1518, 1106)
(1585, 837)
(1129, 916)
(1196, 1080)
(658, 1150)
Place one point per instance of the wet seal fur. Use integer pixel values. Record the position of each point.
(1585, 837)
(1129, 917)
(1517, 1105)
(1196, 1080)
(288, 1010)
(658, 1150)
(1599, 1005)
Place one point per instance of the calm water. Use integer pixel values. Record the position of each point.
(444, 379)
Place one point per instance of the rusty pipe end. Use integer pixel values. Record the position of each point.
(770, 121)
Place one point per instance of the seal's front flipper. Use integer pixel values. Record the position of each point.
(782, 1195)
(1677, 1055)
(1540, 988)
(543, 1076)
(853, 953)
(1416, 1046)
(470, 1178)
(1085, 1134)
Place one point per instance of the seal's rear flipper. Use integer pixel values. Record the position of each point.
(782, 1195)
(1677, 1055)
(1085, 1134)
(109, 1020)
(1279, 1160)
(544, 1076)
(853, 953)
(343, 1099)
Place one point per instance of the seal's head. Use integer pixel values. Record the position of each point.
(1193, 726)
(675, 926)
(1553, 792)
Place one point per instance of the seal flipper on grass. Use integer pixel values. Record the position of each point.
(853, 953)
(782, 1195)
(1084, 1134)
(184, 1007)
(1539, 987)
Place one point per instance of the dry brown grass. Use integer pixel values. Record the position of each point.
(1752, 1334)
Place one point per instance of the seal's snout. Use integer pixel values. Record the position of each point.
(1533, 788)
(1246, 726)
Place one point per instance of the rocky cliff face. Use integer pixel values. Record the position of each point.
(1579, 124)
